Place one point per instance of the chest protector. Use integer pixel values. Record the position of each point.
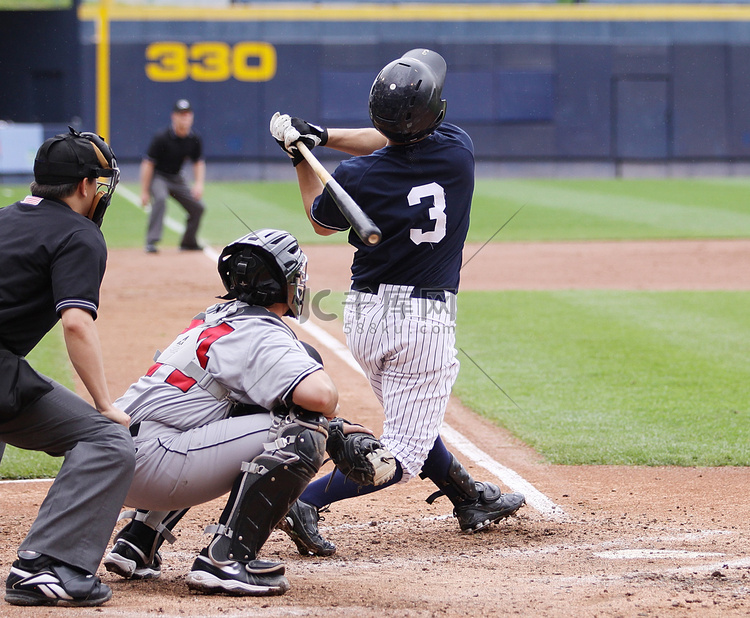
(182, 354)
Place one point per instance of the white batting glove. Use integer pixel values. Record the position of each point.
(280, 125)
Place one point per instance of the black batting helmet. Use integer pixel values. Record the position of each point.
(405, 103)
(263, 268)
(71, 157)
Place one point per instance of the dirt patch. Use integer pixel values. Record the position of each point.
(618, 541)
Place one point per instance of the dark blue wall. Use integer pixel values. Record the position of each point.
(604, 98)
(39, 66)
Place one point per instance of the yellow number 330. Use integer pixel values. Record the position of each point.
(210, 61)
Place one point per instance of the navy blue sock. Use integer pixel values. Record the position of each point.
(318, 493)
(437, 467)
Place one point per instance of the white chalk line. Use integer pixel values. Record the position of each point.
(12, 481)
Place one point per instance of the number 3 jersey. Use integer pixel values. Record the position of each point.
(420, 196)
(231, 353)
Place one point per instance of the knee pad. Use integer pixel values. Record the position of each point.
(270, 484)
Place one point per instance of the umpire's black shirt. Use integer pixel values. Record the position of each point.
(168, 152)
(51, 258)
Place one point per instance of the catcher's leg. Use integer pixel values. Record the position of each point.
(476, 504)
(135, 554)
(261, 496)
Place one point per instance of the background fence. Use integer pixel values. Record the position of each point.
(594, 83)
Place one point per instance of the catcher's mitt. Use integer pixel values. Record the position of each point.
(359, 455)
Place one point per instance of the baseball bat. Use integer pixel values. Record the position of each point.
(360, 222)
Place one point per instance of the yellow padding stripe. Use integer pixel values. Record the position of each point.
(365, 12)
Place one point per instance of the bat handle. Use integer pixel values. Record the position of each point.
(316, 165)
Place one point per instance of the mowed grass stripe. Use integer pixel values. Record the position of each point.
(607, 209)
(602, 377)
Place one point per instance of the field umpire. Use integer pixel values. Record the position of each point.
(52, 257)
(161, 177)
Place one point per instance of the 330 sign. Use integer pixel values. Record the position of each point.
(210, 61)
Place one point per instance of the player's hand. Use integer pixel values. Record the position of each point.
(349, 428)
(116, 415)
(145, 199)
(280, 123)
(310, 134)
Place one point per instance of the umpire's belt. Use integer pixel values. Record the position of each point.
(417, 292)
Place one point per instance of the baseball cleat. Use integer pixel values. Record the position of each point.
(40, 580)
(257, 578)
(490, 507)
(128, 561)
(301, 524)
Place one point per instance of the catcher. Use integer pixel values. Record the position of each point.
(235, 404)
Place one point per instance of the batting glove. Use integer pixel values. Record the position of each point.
(280, 124)
(311, 135)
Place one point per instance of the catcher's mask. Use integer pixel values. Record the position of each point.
(405, 103)
(70, 157)
(263, 268)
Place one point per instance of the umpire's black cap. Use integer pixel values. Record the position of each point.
(70, 157)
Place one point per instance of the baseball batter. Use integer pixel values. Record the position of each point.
(413, 174)
(235, 404)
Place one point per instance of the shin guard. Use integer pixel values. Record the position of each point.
(269, 485)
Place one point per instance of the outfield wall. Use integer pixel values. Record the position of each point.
(539, 84)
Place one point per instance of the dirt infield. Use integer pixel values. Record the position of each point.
(620, 541)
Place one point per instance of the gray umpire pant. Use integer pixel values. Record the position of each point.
(77, 517)
(163, 186)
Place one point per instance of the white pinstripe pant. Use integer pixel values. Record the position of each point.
(406, 347)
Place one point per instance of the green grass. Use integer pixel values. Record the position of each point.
(31, 5)
(603, 377)
(550, 210)
(608, 377)
(611, 209)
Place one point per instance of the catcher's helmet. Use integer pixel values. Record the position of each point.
(405, 103)
(263, 268)
(70, 157)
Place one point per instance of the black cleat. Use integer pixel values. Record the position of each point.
(40, 580)
(301, 524)
(257, 578)
(128, 561)
(491, 506)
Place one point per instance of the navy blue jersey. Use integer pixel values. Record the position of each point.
(419, 195)
(51, 258)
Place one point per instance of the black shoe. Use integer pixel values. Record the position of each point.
(195, 247)
(257, 578)
(151, 248)
(128, 561)
(301, 524)
(491, 506)
(40, 580)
